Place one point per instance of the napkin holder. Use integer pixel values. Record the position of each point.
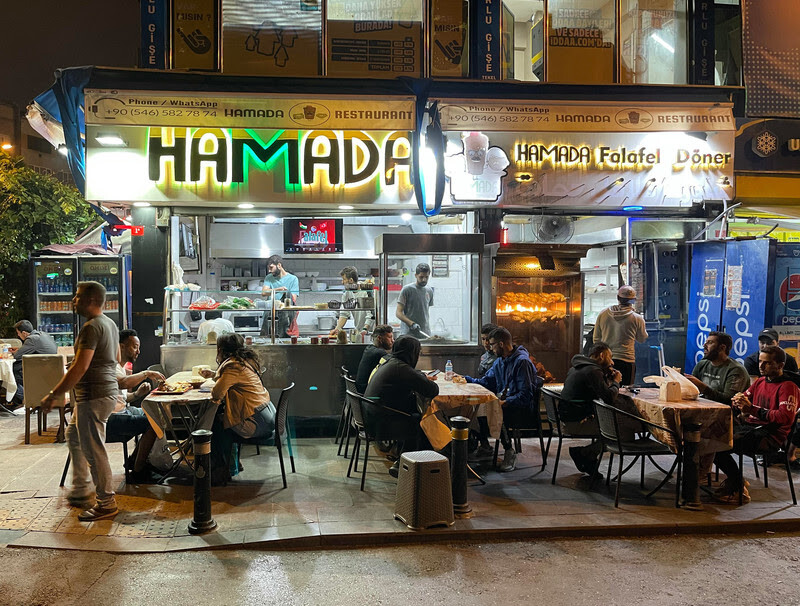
(670, 391)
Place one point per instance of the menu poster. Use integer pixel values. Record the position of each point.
(195, 34)
(271, 37)
(375, 49)
(733, 287)
(440, 266)
(449, 52)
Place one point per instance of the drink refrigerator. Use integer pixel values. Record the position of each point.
(537, 294)
(731, 289)
(54, 281)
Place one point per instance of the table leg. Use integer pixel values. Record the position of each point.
(691, 463)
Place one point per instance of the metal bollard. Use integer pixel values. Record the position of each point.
(458, 466)
(691, 463)
(202, 521)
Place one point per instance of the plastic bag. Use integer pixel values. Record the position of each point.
(688, 389)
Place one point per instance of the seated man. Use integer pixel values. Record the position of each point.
(396, 384)
(591, 378)
(382, 342)
(513, 379)
(128, 420)
(33, 342)
(214, 323)
(768, 336)
(716, 375)
(483, 450)
(766, 414)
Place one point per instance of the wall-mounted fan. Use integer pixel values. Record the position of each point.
(552, 229)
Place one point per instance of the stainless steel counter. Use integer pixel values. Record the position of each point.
(315, 369)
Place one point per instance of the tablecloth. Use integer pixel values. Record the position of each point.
(7, 377)
(466, 399)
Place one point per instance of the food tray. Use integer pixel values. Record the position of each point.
(158, 392)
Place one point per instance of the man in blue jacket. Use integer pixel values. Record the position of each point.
(513, 378)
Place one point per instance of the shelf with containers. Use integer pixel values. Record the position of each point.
(600, 269)
(455, 279)
(53, 286)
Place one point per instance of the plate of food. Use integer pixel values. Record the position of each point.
(172, 388)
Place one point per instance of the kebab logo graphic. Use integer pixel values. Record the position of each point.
(476, 173)
(790, 296)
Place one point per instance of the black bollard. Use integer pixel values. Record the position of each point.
(691, 464)
(458, 466)
(202, 521)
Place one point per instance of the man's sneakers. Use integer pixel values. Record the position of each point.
(481, 453)
(509, 461)
(726, 493)
(81, 502)
(98, 513)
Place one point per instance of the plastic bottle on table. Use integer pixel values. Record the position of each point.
(448, 371)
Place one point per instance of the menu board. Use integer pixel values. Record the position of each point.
(312, 236)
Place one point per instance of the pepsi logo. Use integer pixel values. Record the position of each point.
(790, 292)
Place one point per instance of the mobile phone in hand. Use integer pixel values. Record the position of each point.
(434, 372)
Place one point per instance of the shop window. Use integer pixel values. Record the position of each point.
(523, 29)
(653, 39)
(580, 41)
(272, 37)
(375, 39)
(728, 43)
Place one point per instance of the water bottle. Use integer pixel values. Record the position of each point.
(448, 371)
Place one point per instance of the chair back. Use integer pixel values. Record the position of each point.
(345, 372)
(40, 374)
(281, 411)
(350, 385)
(12, 342)
(793, 430)
(551, 399)
(353, 401)
(68, 351)
(607, 420)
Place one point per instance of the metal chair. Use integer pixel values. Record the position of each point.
(40, 374)
(552, 403)
(608, 420)
(349, 384)
(532, 421)
(281, 431)
(343, 417)
(124, 443)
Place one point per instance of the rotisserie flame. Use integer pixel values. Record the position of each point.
(507, 309)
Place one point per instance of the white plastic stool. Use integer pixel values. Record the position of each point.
(424, 495)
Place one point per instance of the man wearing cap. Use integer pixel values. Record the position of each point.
(767, 337)
(619, 326)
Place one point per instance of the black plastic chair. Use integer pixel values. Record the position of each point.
(532, 421)
(768, 454)
(124, 441)
(347, 411)
(552, 404)
(343, 417)
(375, 422)
(280, 432)
(608, 420)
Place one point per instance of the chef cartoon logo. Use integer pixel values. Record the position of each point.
(476, 172)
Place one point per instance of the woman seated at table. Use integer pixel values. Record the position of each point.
(245, 408)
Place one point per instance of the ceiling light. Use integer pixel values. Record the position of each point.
(245, 205)
(141, 204)
(110, 140)
(345, 207)
(406, 216)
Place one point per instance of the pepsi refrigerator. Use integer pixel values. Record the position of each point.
(55, 279)
(732, 289)
(786, 312)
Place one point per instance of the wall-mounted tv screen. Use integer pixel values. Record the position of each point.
(312, 236)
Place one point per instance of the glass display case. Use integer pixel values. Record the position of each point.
(536, 295)
(451, 296)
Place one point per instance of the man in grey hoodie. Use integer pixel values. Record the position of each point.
(620, 327)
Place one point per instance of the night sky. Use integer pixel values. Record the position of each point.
(40, 36)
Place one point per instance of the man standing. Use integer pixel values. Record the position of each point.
(128, 419)
(93, 377)
(382, 342)
(361, 319)
(513, 379)
(33, 342)
(718, 376)
(768, 336)
(767, 411)
(620, 327)
(287, 289)
(413, 305)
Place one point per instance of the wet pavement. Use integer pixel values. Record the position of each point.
(322, 507)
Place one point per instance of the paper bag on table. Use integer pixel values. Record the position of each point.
(688, 390)
(670, 391)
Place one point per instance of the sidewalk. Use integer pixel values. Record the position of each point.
(322, 507)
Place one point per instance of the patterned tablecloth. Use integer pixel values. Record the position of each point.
(7, 377)
(158, 407)
(716, 431)
(466, 399)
